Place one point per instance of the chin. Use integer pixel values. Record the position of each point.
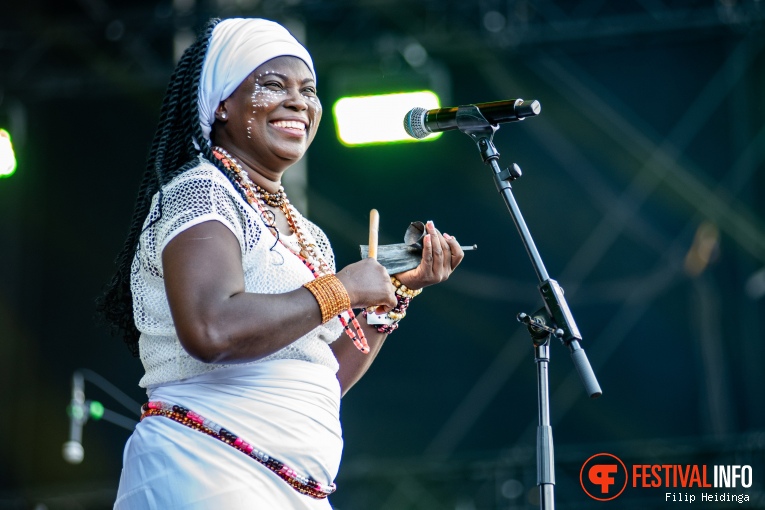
(292, 156)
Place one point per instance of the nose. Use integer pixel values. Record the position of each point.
(295, 100)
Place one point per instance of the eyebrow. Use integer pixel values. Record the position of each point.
(284, 77)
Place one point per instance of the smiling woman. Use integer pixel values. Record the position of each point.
(270, 119)
(230, 295)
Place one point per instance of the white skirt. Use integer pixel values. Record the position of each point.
(288, 409)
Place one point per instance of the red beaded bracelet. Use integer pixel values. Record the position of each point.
(398, 312)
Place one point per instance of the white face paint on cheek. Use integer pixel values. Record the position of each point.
(315, 101)
(262, 98)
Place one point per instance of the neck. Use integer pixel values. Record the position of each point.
(270, 184)
(269, 180)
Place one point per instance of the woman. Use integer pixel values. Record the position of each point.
(231, 296)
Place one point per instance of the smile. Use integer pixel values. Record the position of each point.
(289, 124)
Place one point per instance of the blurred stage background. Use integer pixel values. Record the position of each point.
(643, 189)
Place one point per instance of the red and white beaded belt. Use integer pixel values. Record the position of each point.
(303, 484)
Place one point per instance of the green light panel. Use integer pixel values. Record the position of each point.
(366, 120)
(7, 157)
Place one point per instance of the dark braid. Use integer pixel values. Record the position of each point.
(172, 152)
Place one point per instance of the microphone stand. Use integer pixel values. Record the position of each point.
(80, 410)
(554, 319)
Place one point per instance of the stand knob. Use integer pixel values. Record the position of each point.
(537, 328)
(510, 174)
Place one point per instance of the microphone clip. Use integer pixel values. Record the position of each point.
(471, 121)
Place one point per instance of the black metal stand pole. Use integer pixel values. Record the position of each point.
(554, 319)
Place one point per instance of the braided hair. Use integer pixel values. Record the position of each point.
(176, 145)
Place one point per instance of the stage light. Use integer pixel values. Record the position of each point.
(7, 157)
(367, 120)
(96, 410)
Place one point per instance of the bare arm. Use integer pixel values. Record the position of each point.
(353, 363)
(218, 322)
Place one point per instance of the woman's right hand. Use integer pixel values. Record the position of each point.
(368, 284)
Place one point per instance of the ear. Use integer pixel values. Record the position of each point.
(221, 113)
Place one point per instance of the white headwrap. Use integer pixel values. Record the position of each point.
(237, 47)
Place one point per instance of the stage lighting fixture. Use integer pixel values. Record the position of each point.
(367, 120)
(97, 410)
(7, 157)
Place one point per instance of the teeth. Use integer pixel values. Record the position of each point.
(290, 124)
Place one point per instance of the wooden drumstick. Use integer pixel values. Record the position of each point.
(374, 227)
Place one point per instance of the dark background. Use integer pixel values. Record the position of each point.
(649, 153)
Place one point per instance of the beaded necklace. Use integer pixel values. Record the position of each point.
(309, 252)
(273, 199)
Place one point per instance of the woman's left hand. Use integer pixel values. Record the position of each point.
(441, 254)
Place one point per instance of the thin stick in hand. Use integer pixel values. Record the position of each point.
(374, 227)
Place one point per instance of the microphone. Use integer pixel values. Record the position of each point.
(420, 122)
(73, 451)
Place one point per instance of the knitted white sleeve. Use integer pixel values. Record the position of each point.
(204, 194)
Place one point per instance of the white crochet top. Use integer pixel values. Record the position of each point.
(202, 194)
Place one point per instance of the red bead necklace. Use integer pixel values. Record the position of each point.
(309, 252)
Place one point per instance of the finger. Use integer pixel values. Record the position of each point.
(389, 302)
(447, 259)
(392, 299)
(438, 249)
(456, 250)
(444, 266)
(427, 256)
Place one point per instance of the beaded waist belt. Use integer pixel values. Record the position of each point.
(303, 484)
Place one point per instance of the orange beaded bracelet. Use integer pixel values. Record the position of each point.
(331, 295)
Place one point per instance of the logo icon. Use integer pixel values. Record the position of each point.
(603, 477)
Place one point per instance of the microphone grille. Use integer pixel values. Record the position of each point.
(414, 123)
